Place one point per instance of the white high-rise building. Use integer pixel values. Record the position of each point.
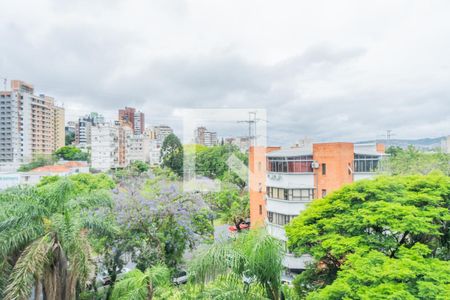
(105, 147)
(154, 152)
(137, 148)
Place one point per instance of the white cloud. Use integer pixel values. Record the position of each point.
(326, 69)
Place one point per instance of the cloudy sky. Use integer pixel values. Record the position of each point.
(329, 70)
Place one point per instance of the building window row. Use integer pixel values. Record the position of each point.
(279, 219)
(290, 194)
(296, 164)
(366, 163)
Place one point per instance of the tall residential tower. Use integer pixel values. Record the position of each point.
(30, 124)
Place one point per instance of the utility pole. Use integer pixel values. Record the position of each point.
(251, 121)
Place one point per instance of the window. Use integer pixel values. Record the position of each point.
(324, 193)
(279, 219)
(365, 163)
(260, 209)
(290, 194)
(295, 164)
(324, 169)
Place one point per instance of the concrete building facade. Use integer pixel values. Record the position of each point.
(30, 125)
(133, 118)
(204, 137)
(105, 147)
(284, 181)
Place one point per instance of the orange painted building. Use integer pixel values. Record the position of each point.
(257, 183)
(284, 181)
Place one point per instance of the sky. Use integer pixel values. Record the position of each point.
(326, 70)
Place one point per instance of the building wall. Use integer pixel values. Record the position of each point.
(338, 158)
(257, 183)
(105, 147)
(27, 124)
(59, 129)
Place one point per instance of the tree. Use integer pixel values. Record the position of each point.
(139, 166)
(212, 161)
(70, 138)
(172, 154)
(385, 214)
(44, 240)
(38, 161)
(255, 256)
(138, 285)
(71, 153)
(231, 206)
(374, 275)
(83, 183)
(413, 161)
(160, 220)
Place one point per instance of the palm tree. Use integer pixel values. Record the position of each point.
(43, 240)
(138, 285)
(253, 257)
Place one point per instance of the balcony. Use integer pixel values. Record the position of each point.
(277, 231)
(286, 207)
(290, 180)
(291, 261)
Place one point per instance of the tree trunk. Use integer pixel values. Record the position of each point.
(150, 290)
(56, 277)
(37, 289)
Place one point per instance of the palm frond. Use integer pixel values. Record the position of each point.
(218, 259)
(29, 265)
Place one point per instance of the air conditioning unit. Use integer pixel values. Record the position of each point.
(315, 165)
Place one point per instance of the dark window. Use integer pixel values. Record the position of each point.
(324, 193)
(324, 169)
(260, 209)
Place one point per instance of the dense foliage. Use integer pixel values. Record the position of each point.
(411, 161)
(388, 215)
(212, 162)
(172, 154)
(37, 162)
(44, 239)
(230, 205)
(69, 138)
(254, 255)
(71, 153)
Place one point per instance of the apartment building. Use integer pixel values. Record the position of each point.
(30, 124)
(138, 148)
(59, 127)
(83, 129)
(105, 147)
(162, 131)
(133, 118)
(154, 152)
(205, 137)
(284, 181)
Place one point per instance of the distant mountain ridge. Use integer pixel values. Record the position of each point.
(424, 143)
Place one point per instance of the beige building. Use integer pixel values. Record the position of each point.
(28, 126)
(60, 134)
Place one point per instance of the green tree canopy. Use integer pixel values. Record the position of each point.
(172, 154)
(71, 153)
(413, 161)
(384, 214)
(69, 138)
(38, 161)
(374, 275)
